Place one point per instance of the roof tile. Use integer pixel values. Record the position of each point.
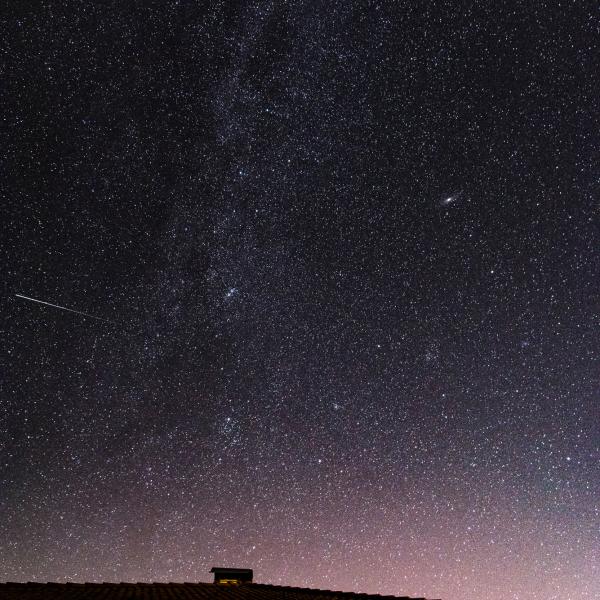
(173, 591)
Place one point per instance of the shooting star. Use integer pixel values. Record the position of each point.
(77, 312)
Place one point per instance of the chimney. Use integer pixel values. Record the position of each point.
(225, 576)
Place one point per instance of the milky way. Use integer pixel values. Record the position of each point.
(314, 366)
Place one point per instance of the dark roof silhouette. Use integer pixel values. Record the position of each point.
(174, 591)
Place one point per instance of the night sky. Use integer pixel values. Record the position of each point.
(347, 257)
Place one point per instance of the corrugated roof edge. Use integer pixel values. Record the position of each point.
(334, 592)
(270, 586)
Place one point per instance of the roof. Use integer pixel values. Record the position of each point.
(174, 591)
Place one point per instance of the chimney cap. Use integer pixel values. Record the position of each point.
(232, 575)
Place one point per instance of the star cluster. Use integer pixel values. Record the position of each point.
(348, 253)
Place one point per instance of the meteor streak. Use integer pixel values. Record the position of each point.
(77, 312)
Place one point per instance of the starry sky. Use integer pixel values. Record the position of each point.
(346, 257)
